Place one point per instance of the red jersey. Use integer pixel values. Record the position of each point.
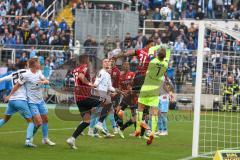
(81, 90)
(115, 75)
(143, 60)
(126, 79)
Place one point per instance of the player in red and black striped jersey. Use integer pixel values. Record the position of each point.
(85, 101)
(143, 61)
(115, 73)
(126, 82)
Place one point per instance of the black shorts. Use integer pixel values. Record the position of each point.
(138, 82)
(116, 101)
(87, 104)
(126, 101)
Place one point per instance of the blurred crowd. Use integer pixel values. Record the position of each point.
(32, 28)
(181, 9)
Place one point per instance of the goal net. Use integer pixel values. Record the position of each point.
(217, 93)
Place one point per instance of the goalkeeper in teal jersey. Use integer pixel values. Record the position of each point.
(149, 94)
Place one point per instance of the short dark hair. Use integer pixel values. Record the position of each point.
(32, 62)
(149, 41)
(21, 65)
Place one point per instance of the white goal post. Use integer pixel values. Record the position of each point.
(217, 123)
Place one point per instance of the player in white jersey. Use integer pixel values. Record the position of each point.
(18, 103)
(104, 88)
(32, 80)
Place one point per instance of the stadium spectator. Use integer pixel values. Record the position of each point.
(40, 7)
(33, 52)
(33, 40)
(174, 33)
(32, 7)
(23, 57)
(179, 45)
(179, 80)
(142, 17)
(44, 24)
(191, 45)
(170, 72)
(156, 16)
(63, 25)
(211, 7)
(191, 13)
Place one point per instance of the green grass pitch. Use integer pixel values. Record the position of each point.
(176, 145)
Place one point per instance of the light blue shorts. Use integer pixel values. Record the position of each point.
(20, 106)
(38, 108)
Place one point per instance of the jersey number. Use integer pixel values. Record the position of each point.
(159, 69)
(142, 59)
(17, 76)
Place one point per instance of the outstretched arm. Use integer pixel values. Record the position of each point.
(153, 49)
(125, 54)
(168, 55)
(6, 78)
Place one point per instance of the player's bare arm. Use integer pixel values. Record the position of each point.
(15, 88)
(125, 54)
(84, 80)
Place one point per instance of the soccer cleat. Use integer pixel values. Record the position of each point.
(47, 141)
(109, 135)
(115, 130)
(90, 132)
(157, 133)
(71, 142)
(99, 126)
(144, 137)
(97, 135)
(31, 140)
(164, 133)
(137, 133)
(28, 143)
(150, 139)
(132, 134)
(148, 133)
(120, 133)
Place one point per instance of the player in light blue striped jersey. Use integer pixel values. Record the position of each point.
(18, 103)
(32, 80)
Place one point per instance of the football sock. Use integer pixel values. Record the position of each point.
(112, 120)
(127, 124)
(154, 123)
(93, 120)
(139, 120)
(142, 131)
(116, 116)
(30, 129)
(135, 125)
(120, 122)
(2, 122)
(79, 129)
(45, 130)
(105, 125)
(104, 113)
(35, 129)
